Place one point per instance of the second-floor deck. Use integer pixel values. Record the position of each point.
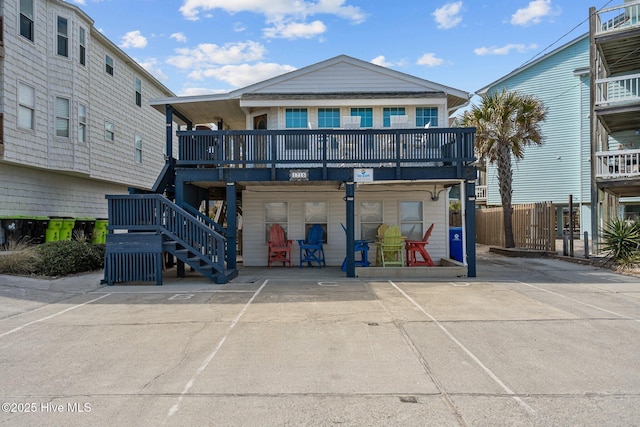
(329, 149)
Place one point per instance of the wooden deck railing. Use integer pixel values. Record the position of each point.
(327, 148)
(618, 18)
(617, 164)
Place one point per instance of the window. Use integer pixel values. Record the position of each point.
(82, 54)
(366, 116)
(275, 213)
(82, 123)
(108, 64)
(63, 37)
(62, 117)
(388, 112)
(411, 220)
(26, 19)
(426, 116)
(328, 117)
(138, 148)
(109, 131)
(296, 118)
(315, 213)
(26, 106)
(138, 92)
(370, 219)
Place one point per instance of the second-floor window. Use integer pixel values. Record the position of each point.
(138, 92)
(26, 19)
(426, 116)
(62, 117)
(366, 116)
(138, 149)
(328, 117)
(82, 123)
(391, 111)
(109, 131)
(108, 64)
(82, 53)
(26, 106)
(296, 118)
(63, 37)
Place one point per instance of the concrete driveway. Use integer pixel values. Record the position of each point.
(528, 342)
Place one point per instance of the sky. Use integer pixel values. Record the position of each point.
(197, 47)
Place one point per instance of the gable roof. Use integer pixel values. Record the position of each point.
(358, 79)
(528, 65)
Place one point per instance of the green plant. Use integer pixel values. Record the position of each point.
(19, 258)
(69, 257)
(621, 240)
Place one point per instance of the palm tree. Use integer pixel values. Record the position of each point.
(506, 122)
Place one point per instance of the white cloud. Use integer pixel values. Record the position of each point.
(239, 27)
(382, 61)
(151, 65)
(133, 39)
(295, 30)
(191, 9)
(242, 75)
(448, 16)
(179, 37)
(80, 2)
(533, 13)
(430, 60)
(207, 55)
(504, 50)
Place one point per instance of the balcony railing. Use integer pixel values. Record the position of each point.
(327, 148)
(617, 164)
(481, 193)
(614, 90)
(618, 18)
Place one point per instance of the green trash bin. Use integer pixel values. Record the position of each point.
(53, 230)
(66, 231)
(100, 231)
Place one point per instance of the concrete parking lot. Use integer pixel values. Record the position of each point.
(531, 342)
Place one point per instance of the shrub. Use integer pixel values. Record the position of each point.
(621, 240)
(68, 257)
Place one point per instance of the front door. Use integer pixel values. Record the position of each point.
(260, 141)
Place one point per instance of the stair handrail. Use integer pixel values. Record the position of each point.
(155, 212)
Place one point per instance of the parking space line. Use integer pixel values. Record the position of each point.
(473, 357)
(51, 316)
(578, 301)
(205, 363)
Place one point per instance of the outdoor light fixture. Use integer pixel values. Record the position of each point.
(435, 196)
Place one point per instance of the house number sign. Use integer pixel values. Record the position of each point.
(299, 175)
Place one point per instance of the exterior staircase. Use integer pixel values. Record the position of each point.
(191, 237)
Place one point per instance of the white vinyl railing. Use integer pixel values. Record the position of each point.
(617, 164)
(481, 193)
(618, 89)
(619, 17)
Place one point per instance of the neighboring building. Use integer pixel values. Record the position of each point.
(289, 149)
(560, 167)
(75, 121)
(615, 110)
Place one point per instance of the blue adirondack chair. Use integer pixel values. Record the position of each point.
(311, 250)
(361, 246)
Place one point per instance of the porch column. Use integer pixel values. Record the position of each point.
(232, 232)
(470, 226)
(351, 257)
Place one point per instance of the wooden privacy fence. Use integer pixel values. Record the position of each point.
(533, 226)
